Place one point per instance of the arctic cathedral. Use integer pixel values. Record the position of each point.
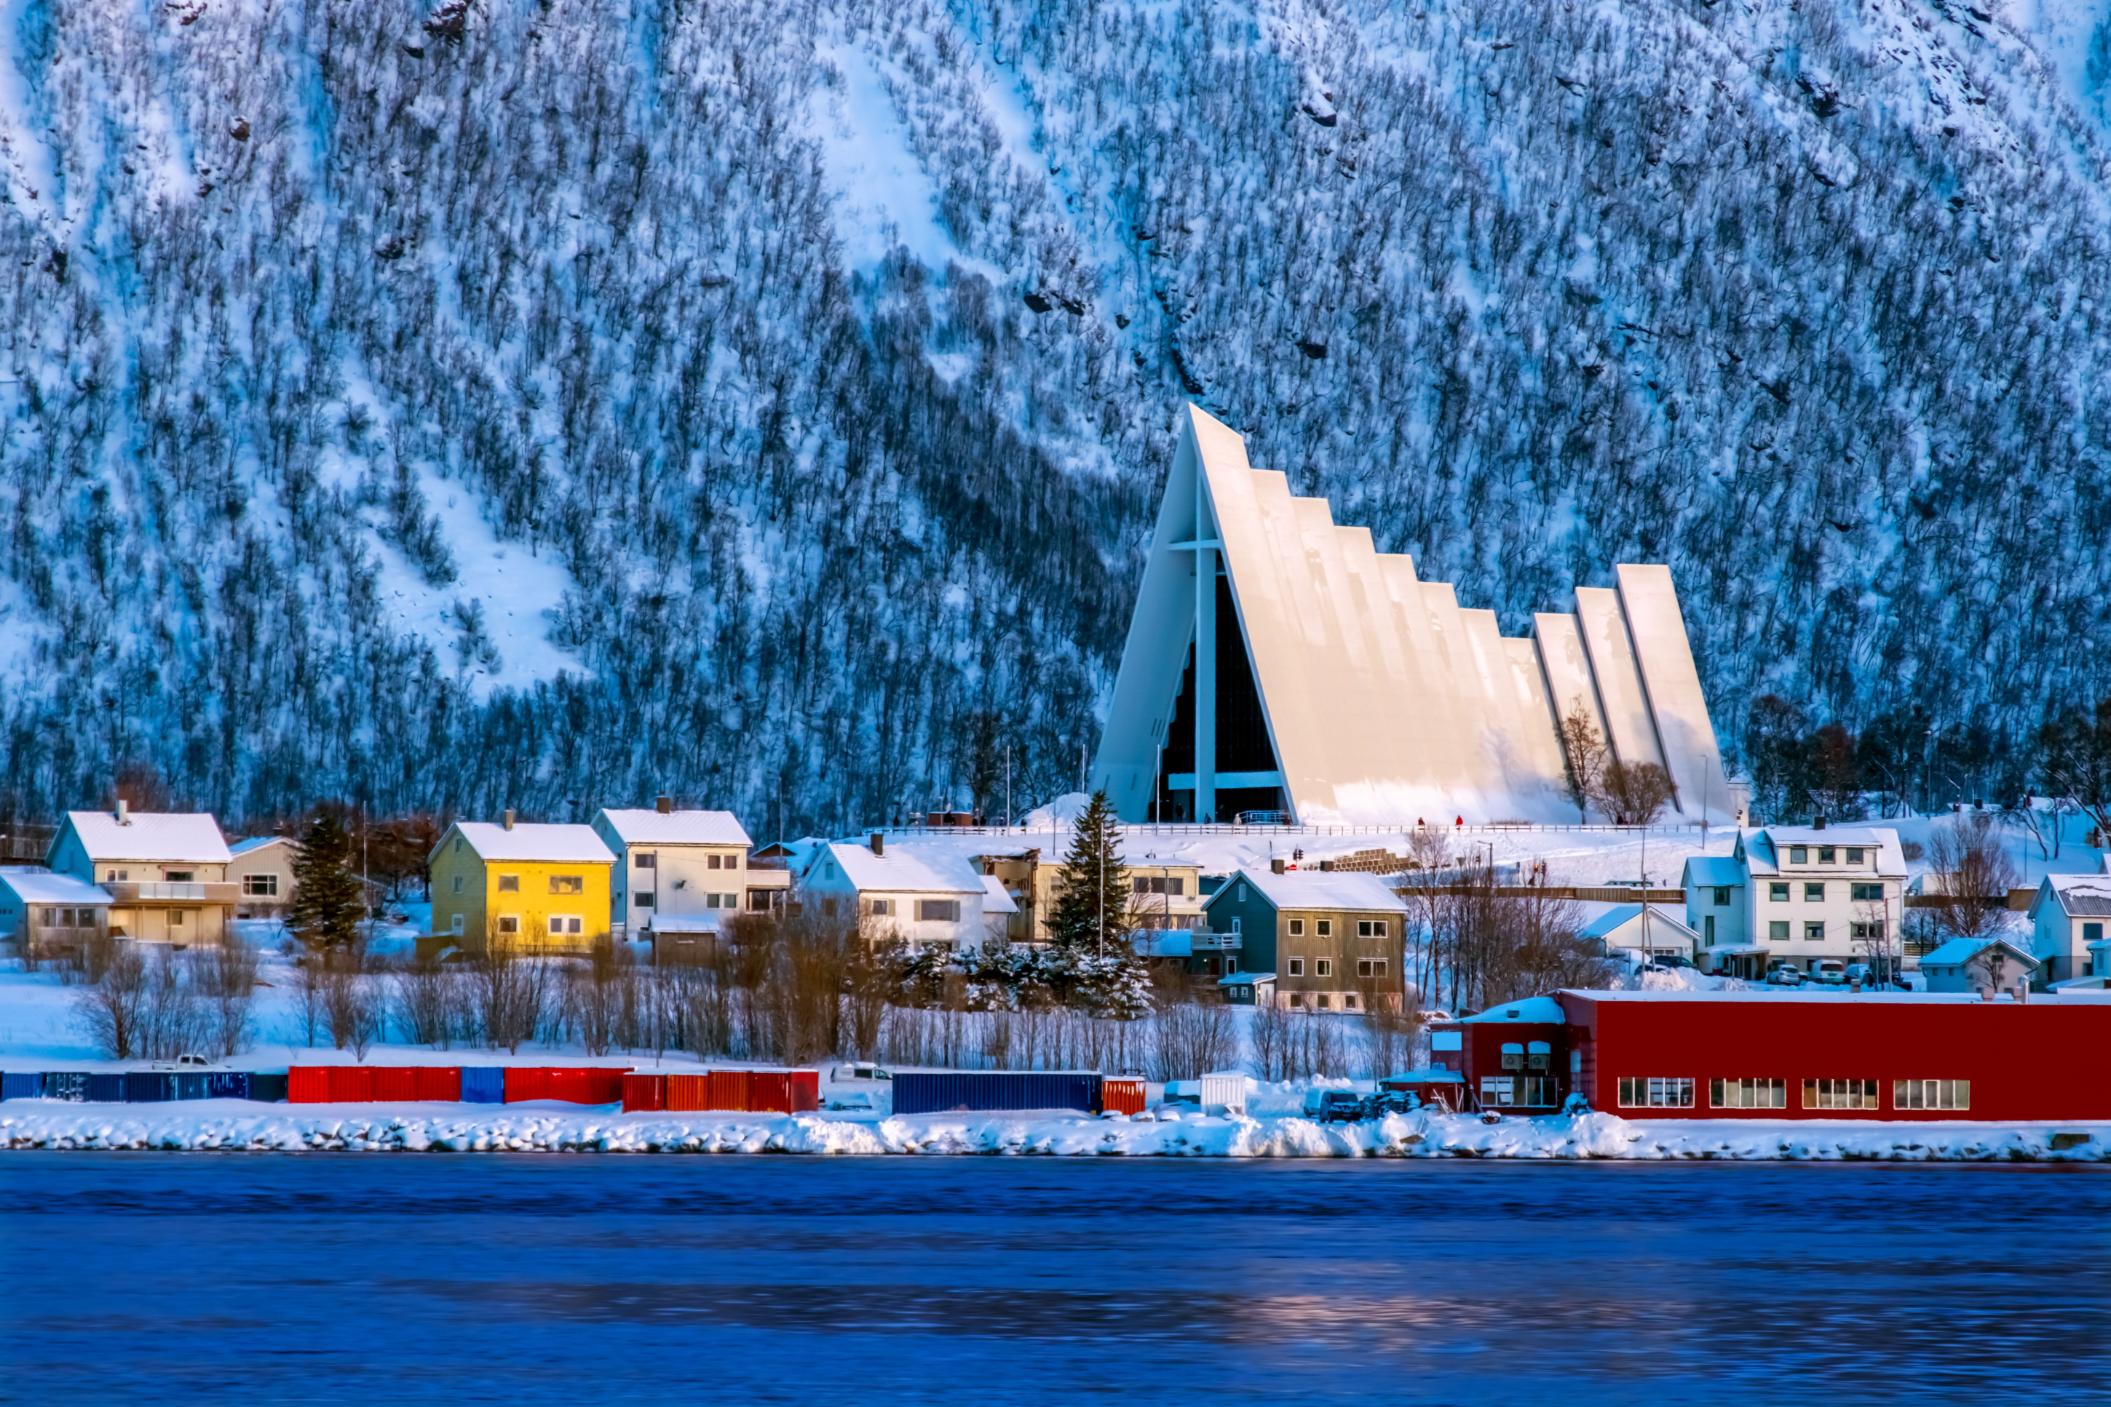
(1277, 663)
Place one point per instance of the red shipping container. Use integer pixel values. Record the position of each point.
(1119, 1096)
(644, 1093)
(582, 1085)
(418, 1083)
(308, 1084)
(806, 1090)
(351, 1084)
(729, 1090)
(688, 1092)
(770, 1091)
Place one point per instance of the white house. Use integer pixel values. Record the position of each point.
(919, 899)
(1636, 928)
(1796, 894)
(680, 870)
(2069, 913)
(166, 873)
(43, 913)
(1983, 965)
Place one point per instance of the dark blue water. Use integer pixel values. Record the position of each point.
(517, 1279)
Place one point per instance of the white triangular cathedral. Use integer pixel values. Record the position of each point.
(1335, 685)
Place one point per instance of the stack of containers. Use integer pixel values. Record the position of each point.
(590, 1084)
(943, 1091)
(483, 1084)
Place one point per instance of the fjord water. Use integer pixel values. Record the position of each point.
(530, 1279)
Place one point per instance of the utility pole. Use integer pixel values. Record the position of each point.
(1007, 787)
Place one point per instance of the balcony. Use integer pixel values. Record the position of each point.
(172, 892)
(1218, 942)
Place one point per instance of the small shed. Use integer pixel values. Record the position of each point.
(1982, 965)
(1247, 988)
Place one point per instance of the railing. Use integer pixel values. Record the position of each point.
(1217, 942)
(173, 892)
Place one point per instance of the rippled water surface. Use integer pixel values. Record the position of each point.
(530, 1279)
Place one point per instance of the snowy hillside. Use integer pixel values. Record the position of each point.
(476, 404)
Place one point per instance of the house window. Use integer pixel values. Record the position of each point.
(1777, 930)
(1497, 1089)
(880, 908)
(1813, 893)
(1231, 964)
(1370, 967)
(1323, 1002)
(564, 925)
(2092, 932)
(1931, 1094)
(260, 886)
(1708, 929)
(1297, 967)
(1324, 927)
(1854, 854)
(1825, 854)
(1348, 1003)
(118, 875)
(1865, 932)
(643, 899)
(1370, 928)
(1866, 893)
(1323, 967)
(1176, 886)
(646, 861)
(1777, 893)
(457, 884)
(1240, 897)
(509, 884)
(716, 862)
(1798, 855)
(1813, 932)
(456, 924)
(938, 910)
(1722, 897)
(508, 925)
(179, 876)
(176, 918)
(1748, 1094)
(567, 884)
(1297, 928)
(725, 901)
(1656, 1092)
(1839, 1094)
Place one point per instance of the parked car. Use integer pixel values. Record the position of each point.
(187, 1061)
(1782, 975)
(1829, 972)
(1334, 1106)
(1861, 974)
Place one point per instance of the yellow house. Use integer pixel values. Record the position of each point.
(540, 887)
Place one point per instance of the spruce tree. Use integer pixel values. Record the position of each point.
(1091, 910)
(327, 902)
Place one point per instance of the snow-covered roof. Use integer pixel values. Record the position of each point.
(1620, 915)
(1797, 994)
(684, 923)
(996, 899)
(1762, 847)
(1348, 890)
(533, 841)
(1425, 1077)
(647, 826)
(182, 836)
(898, 871)
(1713, 872)
(2078, 895)
(1163, 942)
(1245, 979)
(1959, 951)
(40, 886)
(1544, 1009)
(257, 842)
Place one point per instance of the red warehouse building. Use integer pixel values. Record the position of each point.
(1794, 1055)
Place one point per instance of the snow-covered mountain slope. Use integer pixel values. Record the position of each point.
(471, 404)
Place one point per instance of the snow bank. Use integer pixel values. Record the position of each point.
(230, 1126)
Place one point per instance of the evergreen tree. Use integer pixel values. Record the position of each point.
(327, 902)
(1091, 910)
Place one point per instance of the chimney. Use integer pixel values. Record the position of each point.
(124, 813)
(1818, 822)
(2023, 990)
(1277, 865)
(665, 805)
(879, 843)
(509, 818)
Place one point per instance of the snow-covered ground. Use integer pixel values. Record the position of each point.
(232, 1126)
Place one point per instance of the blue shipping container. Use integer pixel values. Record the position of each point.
(66, 1084)
(22, 1084)
(937, 1091)
(269, 1089)
(149, 1087)
(483, 1084)
(188, 1085)
(226, 1084)
(105, 1089)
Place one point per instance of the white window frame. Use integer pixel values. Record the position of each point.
(1323, 927)
(1297, 967)
(1297, 928)
(1322, 967)
(509, 925)
(1762, 1092)
(1372, 928)
(1655, 1092)
(1835, 1095)
(1950, 1096)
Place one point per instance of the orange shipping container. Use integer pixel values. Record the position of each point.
(686, 1092)
(729, 1090)
(1119, 1096)
(645, 1093)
